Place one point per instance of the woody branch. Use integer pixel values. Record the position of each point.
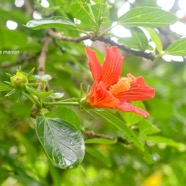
(42, 57)
(104, 39)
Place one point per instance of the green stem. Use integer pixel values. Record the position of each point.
(32, 99)
(73, 99)
(159, 55)
(60, 103)
(33, 84)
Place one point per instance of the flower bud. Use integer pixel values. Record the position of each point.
(19, 80)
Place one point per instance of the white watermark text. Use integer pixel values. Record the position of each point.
(9, 52)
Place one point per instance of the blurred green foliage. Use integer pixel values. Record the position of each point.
(23, 161)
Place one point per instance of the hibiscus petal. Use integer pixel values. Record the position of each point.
(94, 64)
(100, 97)
(127, 107)
(112, 67)
(138, 91)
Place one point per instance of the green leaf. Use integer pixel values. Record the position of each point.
(63, 143)
(147, 128)
(132, 118)
(5, 87)
(166, 141)
(155, 38)
(53, 22)
(98, 155)
(163, 104)
(138, 40)
(84, 13)
(147, 17)
(4, 174)
(22, 176)
(100, 141)
(90, 14)
(130, 135)
(13, 38)
(11, 92)
(178, 48)
(65, 114)
(29, 75)
(147, 156)
(38, 93)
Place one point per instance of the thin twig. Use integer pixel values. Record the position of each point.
(28, 7)
(92, 134)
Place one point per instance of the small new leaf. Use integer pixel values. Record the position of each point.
(37, 93)
(156, 39)
(29, 75)
(11, 92)
(5, 87)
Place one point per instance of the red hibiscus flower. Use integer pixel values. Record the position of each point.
(111, 91)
